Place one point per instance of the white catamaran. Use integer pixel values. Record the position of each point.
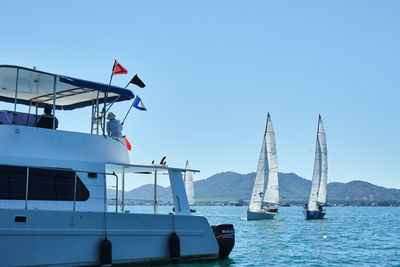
(188, 180)
(267, 171)
(53, 184)
(314, 209)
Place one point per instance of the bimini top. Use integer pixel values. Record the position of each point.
(33, 87)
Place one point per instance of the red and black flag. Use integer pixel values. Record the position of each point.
(118, 69)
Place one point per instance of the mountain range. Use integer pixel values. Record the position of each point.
(232, 186)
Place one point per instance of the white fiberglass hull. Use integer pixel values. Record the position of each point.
(260, 215)
(73, 238)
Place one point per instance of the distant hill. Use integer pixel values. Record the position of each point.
(145, 192)
(359, 190)
(232, 186)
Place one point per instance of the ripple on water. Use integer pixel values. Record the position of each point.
(349, 236)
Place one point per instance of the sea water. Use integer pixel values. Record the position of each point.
(348, 236)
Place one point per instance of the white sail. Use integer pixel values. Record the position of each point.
(188, 180)
(258, 188)
(272, 191)
(318, 186)
(324, 163)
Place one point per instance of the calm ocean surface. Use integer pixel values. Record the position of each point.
(349, 236)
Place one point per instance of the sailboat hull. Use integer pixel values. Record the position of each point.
(314, 215)
(260, 215)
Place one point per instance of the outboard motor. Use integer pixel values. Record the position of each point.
(225, 235)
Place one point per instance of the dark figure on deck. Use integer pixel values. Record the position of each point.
(46, 120)
(320, 208)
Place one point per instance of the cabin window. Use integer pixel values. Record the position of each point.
(44, 184)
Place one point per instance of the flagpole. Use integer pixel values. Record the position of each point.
(105, 99)
(129, 109)
(114, 102)
(141, 85)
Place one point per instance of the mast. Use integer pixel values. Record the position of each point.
(257, 194)
(272, 191)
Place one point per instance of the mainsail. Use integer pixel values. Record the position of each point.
(267, 170)
(320, 174)
(188, 180)
(272, 191)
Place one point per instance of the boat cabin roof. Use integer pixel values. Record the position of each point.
(33, 87)
(143, 168)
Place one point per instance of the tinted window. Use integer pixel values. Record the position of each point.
(44, 184)
(4, 191)
(14, 188)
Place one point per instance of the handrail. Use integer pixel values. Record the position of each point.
(27, 188)
(116, 192)
(116, 189)
(75, 191)
(123, 191)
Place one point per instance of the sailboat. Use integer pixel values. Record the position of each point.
(188, 181)
(314, 209)
(267, 172)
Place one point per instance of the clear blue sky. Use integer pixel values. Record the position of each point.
(214, 69)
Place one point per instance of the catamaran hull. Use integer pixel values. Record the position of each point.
(314, 215)
(262, 215)
(29, 237)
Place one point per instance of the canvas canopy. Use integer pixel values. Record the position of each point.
(33, 87)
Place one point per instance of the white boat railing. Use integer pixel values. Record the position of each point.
(27, 188)
(116, 189)
(55, 185)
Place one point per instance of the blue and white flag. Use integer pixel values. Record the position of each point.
(139, 104)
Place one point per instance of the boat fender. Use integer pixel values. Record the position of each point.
(225, 235)
(105, 252)
(174, 243)
(174, 246)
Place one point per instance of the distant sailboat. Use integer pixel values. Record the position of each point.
(267, 171)
(188, 181)
(314, 209)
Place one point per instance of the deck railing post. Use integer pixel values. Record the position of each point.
(97, 113)
(76, 176)
(16, 97)
(93, 114)
(123, 191)
(27, 188)
(116, 192)
(54, 102)
(155, 192)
